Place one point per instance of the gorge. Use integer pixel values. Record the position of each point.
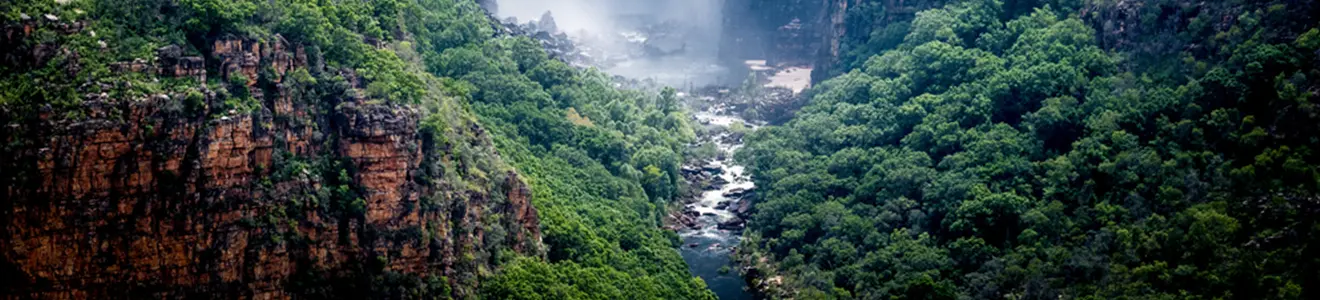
(670, 149)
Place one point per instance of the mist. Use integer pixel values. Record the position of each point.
(688, 39)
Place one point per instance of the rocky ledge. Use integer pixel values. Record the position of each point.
(154, 196)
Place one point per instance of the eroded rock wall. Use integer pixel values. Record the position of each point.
(150, 196)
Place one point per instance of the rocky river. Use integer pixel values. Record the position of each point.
(711, 223)
(711, 219)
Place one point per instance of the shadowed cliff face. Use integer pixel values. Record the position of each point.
(156, 197)
(785, 33)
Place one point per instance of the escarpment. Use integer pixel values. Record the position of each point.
(286, 180)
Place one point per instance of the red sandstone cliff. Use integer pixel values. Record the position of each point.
(144, 197)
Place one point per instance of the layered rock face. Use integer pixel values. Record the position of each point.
(832, 31)
(161, 196)
(805, 33)
(782, 32)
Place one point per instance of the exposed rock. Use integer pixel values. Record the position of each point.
(743, 209)
(832, 18)
(733, 137)
(172, 63)
(713, 169)
(547, 23)
(372, 138)
(521, 213)
(141, 199)
(244, 56)
(71, 28)
(686, 219)
(135, 66)
(732, 224)
(736, 193)
(490, 6)
(733, 206)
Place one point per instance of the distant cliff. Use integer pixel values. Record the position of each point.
(307, 189)
(787, 33)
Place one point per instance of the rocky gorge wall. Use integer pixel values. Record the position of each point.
(164, 196)
(807, 33)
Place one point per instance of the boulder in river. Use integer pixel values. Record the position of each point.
(688, 219)
(736, 193)
(732, 137)
(743, 208)
(733, 224)
(713, 169)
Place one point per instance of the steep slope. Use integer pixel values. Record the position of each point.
(1049, 150)
(312, 149)
(291, 177)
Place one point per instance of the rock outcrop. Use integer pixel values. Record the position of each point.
(832, 31)
(155, 197)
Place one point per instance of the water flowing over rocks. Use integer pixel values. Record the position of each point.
(711, 221)
(712, 218)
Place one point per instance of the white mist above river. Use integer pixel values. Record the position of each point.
(674, 42)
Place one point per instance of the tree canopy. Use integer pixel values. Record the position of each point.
(602, 162)
(1013, 149)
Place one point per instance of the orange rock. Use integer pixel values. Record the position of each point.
(137, 201)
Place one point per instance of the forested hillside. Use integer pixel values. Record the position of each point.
(1091, 149)
(324, 149)
(400, 149)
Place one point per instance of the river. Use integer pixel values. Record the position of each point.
(706, 246)
(710, 223)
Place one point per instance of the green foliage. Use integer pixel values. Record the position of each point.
(600, 215)
(1006, 149)
(194, 102)
(603, 164)
(217, 16)
(600, 181)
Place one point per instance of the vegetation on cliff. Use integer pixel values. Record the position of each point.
(601, 163)
(1050, 150)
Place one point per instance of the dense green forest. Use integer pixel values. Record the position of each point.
(988, 149)
(602, 162)
(961, 149)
